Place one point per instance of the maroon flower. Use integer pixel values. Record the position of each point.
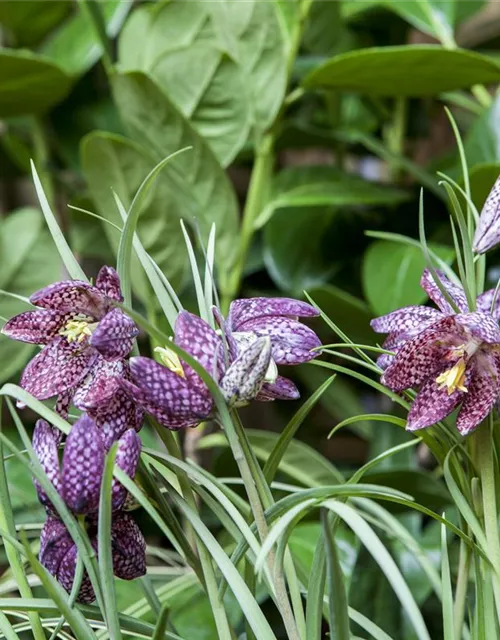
(452, 358)
(78, 326)
(78, 482)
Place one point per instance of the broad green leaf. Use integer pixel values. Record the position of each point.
(400, 265)
(115, 163)
(222, 64)
(29, 262)
(323, 186)
(409, 70)
(30, 20)
(29, 83)
(198, 187)
(75, 46)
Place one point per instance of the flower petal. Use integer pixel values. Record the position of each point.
(73, 296)
(282, 389)
(434, 292)
(198, 338)
(63, 403)
(173, 400)
(244, 378)
(480, 325)
(421, 356)
(116, 416)
(482, 393)
(83, 464)
(488, 230)
(248, 308)
(66, 576)
(100, 385)
(291, 341)
(108, 283)
(36, 327)
(59, 366)
(55, 542)
(114, 335)
(45, 445)
(128, 548)
(127, 457)
(484, 302)
(408, 319)
(431, 405)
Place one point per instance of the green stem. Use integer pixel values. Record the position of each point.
(92, 10)
(461, 589)
(42, 156)
(396, 133)
(257, 507)
(487, 471)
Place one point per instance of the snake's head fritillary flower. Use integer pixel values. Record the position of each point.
(78, 481)
(278, 319)
(487, 233)
(451, 358)
(244, 378)
(59, 554)
(78, 324)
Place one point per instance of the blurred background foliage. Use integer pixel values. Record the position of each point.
(341, 115)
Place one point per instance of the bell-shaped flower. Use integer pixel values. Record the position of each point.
(175, 394)
(487, 233)
(451, 358)
(78, 325)
(78, 482)
(291, 341)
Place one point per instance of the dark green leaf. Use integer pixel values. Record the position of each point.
(400, 265)
(29, 83)
(416, 70)
(423, 487)
(30, 20)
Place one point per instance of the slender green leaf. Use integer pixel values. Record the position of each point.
(339, 614)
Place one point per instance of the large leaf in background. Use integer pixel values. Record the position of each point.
(482, 142)
(421, 485)
(189, 65)
(418, 70)
(301, 462)
(113, 162)
(30, 20)
(222, 64)
(29, 262)
(199, 188)
(392, 272)
(320, 186)
(29, 83)
(428, 16)
(75, 45)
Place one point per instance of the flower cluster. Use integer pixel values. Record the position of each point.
(452, 357)
(86, 342)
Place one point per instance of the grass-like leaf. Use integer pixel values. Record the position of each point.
(105, 557)
(339, 613)
(124, 256)
(69, 260)
(447, 604)
(205, 312)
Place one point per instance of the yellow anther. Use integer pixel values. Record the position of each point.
(170, 359)
(77, 330)
(454, 378)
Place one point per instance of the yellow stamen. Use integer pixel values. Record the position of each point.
(77, 329)
(170, 359)
(454, 378)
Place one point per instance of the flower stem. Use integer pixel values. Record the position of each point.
(486, 465)
(256, 504)
(461, 589)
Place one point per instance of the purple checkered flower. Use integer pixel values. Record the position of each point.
(176, 395)
(78, 326)
(291, 341)
(78, 482)
(487, 233)
(452, 358)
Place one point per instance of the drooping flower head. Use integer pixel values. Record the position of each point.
(487, 233)
(452, 358)
(78, 482)
(242, 357)
(78, 326)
